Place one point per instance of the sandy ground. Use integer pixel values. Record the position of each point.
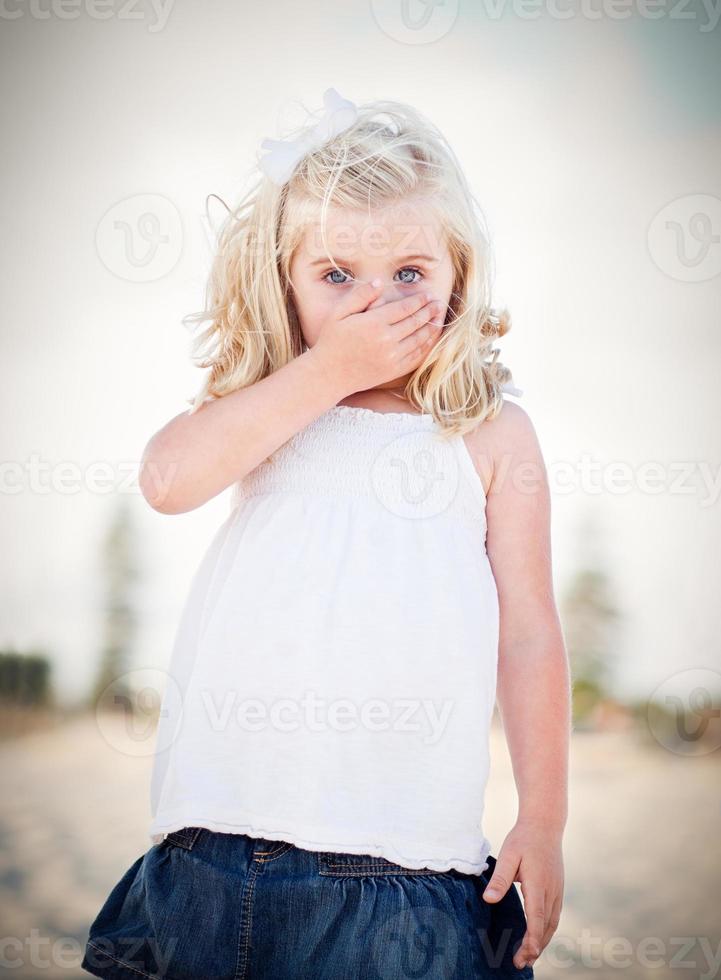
(642, 852)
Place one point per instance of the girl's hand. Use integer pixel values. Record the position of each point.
(532, 855)
(366, 347)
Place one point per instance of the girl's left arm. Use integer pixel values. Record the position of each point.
(534, 687)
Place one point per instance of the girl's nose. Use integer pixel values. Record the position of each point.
(389, 295)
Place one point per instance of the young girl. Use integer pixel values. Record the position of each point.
(384, 575)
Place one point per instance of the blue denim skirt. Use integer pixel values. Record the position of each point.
(202, 905)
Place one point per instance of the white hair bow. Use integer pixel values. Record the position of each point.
(511, 389)
(284, 155)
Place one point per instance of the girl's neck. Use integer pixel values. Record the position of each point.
(390, 398)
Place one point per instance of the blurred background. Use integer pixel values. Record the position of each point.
(590, 131)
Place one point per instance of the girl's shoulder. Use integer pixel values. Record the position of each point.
(504, 445)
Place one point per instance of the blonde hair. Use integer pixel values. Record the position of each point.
(254, 329)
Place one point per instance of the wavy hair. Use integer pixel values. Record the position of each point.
(389, 153)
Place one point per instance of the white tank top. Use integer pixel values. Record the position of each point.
(333, 674)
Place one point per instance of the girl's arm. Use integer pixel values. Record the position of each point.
(195, 457)
(534, 690)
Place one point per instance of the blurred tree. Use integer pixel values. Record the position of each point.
(120, 571)
(25, 679)
(590, 621)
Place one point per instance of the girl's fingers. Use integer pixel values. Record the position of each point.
(420, 337)
(554, 919)
(415, 355)
(535, 912)
(412, 323)
(405, 314)
(358, 298)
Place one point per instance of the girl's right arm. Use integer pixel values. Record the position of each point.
(195, 457)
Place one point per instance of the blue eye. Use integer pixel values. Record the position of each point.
(409, 268)
(335, 282)
(340, 282)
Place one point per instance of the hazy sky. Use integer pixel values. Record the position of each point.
(575, 133)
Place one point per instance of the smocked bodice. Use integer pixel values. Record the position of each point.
(395, 460)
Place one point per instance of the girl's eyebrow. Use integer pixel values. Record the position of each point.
(398, 258)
